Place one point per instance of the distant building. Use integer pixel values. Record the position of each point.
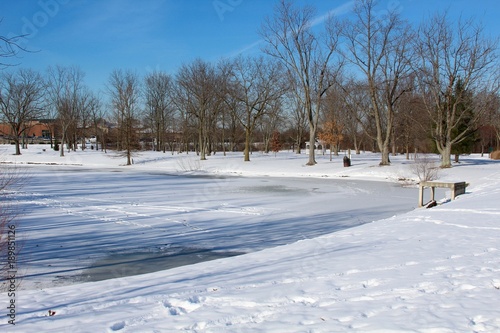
(43, 128)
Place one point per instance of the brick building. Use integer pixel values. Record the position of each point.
(43, 128)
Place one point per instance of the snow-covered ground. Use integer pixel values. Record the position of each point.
(312, 262)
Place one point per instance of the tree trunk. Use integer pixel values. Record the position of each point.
(393, 143)
(201, 145)
(129, 157)
(16, 141)
(385, 155)
(128, 145)
(159, 139)
(297, 149)
(247, 145)
(18, 147)
(62, 144)
(383, 146)
(312, 142)
(357, 146)
(445, 155)
(383, 143)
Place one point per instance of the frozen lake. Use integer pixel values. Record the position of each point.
(89, 224)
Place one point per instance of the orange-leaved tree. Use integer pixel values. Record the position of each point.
(276, 142)
(331, 134)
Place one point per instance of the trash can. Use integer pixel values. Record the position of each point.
(347, 161)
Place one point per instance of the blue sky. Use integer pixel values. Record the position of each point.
(102, 35)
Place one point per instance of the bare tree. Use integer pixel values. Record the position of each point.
(455, 62)
(378, 46)
(256, 84)
(10, 47)
(354, 106)
(333, 121)
(98, 121)
(270, 123)
(83, 118)
(158, 95)
(307, 56)
(232, 109)
(297, 117)
(197, 95)
(491, 121)
(21, 101)
(124, 90)
(412, 124)
(10, 178)
(231, 113)
(496, 124)
(224, 124)
(65, 88)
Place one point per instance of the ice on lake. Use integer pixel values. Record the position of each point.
(79, 218)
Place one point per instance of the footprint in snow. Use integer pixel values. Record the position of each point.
(117, 326)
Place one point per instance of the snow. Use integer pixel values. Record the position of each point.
(327, 248)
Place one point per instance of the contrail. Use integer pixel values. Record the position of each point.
(340, 10)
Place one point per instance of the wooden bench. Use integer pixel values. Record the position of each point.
(456, 189)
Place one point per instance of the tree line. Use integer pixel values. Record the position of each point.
(371, 81)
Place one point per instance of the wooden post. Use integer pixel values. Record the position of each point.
(420, 195)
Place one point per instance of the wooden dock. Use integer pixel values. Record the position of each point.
(456, 189)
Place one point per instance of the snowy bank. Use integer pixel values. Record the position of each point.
(428, 270)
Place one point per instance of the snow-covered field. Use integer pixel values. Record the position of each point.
(313, 263)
